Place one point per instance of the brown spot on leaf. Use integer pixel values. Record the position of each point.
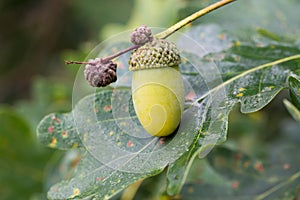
(259, 167)
(50, 129)
(130, 144)
(107, 108)
(190, 96)
(64, 134)
(286, 166)
(53, 142)
(235, 184)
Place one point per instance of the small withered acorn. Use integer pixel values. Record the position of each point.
(157, 86)
(141, 35)
(100, 73)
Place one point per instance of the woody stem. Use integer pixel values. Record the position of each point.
(191, 18)
(120, 52)
(168, 32)
(67, 62)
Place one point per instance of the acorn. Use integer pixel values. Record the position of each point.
(141, 35)
(157, 86)
(100, 73)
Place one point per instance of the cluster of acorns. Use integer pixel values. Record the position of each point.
(157, 85)
(101, 72)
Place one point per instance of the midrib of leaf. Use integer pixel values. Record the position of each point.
(192, 154)
(190, 162)
(270, 64)
(277, 187)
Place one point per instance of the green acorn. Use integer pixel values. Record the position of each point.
(157, 86)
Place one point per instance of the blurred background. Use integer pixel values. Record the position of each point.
(37, 36)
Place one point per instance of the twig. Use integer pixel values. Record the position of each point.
(191, 18)
(168, 32)
(67, 62)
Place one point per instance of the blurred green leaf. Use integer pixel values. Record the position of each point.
(233, 174)
(152, 188)
(155, 13)
(294, 84)
(21, 158)
(207, 39)
(62, 166)
(242, 18)
(94, 15)
(293, 110)
(47, 96)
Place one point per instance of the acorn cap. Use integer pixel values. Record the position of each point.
(155, 54)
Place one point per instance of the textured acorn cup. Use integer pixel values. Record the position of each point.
(157, 87)
(155, 54)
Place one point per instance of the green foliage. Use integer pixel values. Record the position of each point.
(22, 157)
(244, 18)
(293, 110)
(246, 81)
(250, 165)
(47, 96)
(97, 128)
(229, 173)
(294, 85)
(247, 60)
(160, 12)
(61, 166)
(294, 107)
(22, 160)
(253, 74)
